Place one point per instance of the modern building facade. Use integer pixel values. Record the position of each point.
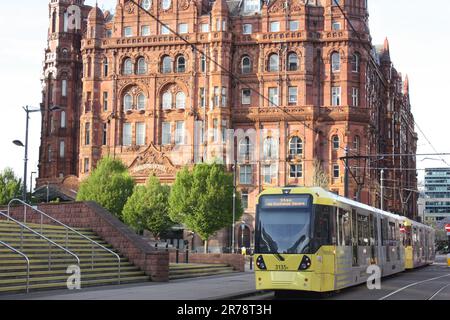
(282, 89)
(437, 194)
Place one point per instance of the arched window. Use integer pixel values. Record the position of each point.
(142, 66)
(269, 148)
(127, 102)
(146, 4)
(292, 62)
(181, 100)
(127, 67)
(244, 148)
(166, 66)
(105, 67)
(141, 102)
(295, 146)
(355, 62)
(335, 62)
(336, 142)
(246, 65)
(181, 64)
(167, 100)
(274, 62)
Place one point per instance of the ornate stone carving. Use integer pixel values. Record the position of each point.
(129, 7)
(183, 5)
(152, 161)
(278, 6)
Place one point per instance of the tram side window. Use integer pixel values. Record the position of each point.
(363, 230)
(392, 231)
(373, 229)
(354, 228)
(384, 232)
(323, 226)
(344, 228)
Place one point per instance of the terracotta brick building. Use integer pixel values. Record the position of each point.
(282, 88)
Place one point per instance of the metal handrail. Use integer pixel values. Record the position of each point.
(42, 236)
(67, 235)
(26, 259)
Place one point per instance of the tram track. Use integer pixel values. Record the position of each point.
(439, 291)
(402, 289)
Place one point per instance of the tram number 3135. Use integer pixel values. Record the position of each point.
(281, 267)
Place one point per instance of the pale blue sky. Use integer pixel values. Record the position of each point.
(418, 33)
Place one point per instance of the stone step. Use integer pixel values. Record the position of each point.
(56, 253)
(57, 277)
(63, 285)
(43, 250)
(44, 266)
(38, 245)
(102, 270)
(86, 270)
(196, 271)
(5, 223)
(199, 274)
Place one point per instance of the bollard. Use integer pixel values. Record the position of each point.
(448, 260)
(186, 260)
(177, 252)
(251, 262)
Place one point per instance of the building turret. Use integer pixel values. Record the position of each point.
(61, 82)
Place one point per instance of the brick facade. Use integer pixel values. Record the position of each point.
(137, 88)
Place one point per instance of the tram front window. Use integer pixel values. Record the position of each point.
(284, 231)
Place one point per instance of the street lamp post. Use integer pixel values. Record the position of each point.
(20, 144)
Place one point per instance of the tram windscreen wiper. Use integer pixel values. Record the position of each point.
(279, 256)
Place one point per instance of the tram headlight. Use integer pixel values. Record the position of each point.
(305, 264)
(260, 263)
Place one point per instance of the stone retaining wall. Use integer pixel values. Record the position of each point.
(237, 261)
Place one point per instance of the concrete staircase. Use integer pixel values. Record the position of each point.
(184, 271)
(101, 270)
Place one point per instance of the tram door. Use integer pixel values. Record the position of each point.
(354, 238)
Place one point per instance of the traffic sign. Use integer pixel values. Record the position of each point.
(447, 227)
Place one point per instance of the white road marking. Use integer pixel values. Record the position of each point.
(411, 285)
(442, 289)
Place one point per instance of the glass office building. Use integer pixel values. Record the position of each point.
(437, 194)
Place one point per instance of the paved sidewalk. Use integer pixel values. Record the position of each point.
(207, 288)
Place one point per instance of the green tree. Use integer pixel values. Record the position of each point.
(110, 185)
(147, 208)
(202, 200)
(10, 186)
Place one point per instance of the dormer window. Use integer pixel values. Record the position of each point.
(252, 5)
(165, 4)
(146, 4)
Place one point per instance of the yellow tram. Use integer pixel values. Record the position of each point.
(309, 239)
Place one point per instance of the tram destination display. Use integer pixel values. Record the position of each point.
(282, 201)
